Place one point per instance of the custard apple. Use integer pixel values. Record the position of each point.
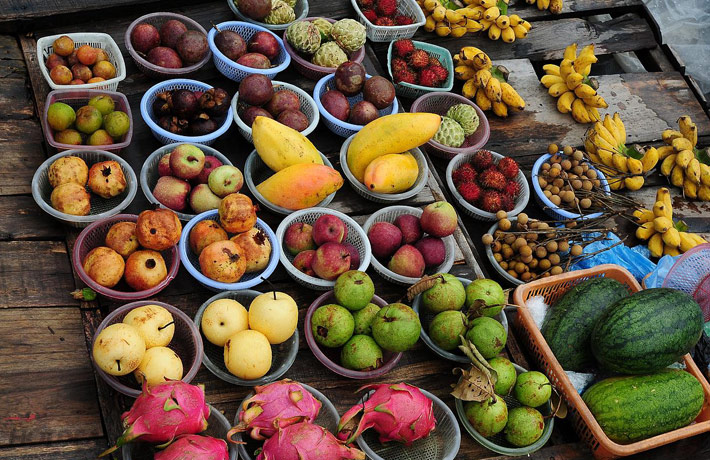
(304, 37)
(281, 13)
(329, 55)
(291, 3)
(466, 116)
(325, 28)
(450, 133)
(349, 34)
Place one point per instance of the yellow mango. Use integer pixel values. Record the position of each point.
(392, 173)
(280, 146)
(300, 186)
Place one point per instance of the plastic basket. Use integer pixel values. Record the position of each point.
(239, 72)
(548, 206)
(301, 11)
(308, 107)
(586, 426)
(439, 103)
(256, 171)
(217, 427)
(328, 418)
(149, 173)
(391, 33)
(339, 127)
(166, 137)
(282, 355)
(186, 342)
(442, 444)
(100, 207)
(691, 274)
(479, 214)
(498, 443)
(313, 71)
(389, 214)
(155, 71)
(94, 236)
(77, 99)
(356, 236)
(363, 191)
(94, 39)
(192, 263)
(413, 91)
(426, 318)
(330, 357)
(496, 266)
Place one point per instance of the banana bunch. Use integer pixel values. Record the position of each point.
(569, 82)
(687, 166)
(486, 84)
(553, 6)
(446, 17)
(624, 167)
(664, 236)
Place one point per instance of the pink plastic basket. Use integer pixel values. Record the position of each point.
(93, 236)
(691, 274)
(78, 98)
(310, 70)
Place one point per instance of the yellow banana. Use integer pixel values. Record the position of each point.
(668, 164)
(458, 30)
(608, 136)
(454, 16)
(570, 52)
(526, 24)
(620, 128)
(493, 90)
(520, 31)
(574, 80)
(472, 13)
(677, 176)
(672, 238)
(602, 142)
(481, 77)
(664, 151)
(457, 59)
(482, 61)
(669, 134)
(682, 143)
(683, 158)
(690, 188)
(543, 4)
(650, 159)
(557, 89)
(698, 239)
(439, 13)
(549, 80)
(593, 113)
(610, 126)
(655, 245)
(596, 101)
(620, 162)
(579, 111)
(429, 5)
(473, 26)
(660, 209)
(430, 25)
(503, 21)
(550, 69)
(607, 158)
(586, 58)
(500, 109)
(662, 224)
(584, 90)
(464, 72)
(491, 13)
(565, 68)
(645, 231)
(564, 102)
(686, 241)
(635, 166)
(507, 35)
(594, 157)
(704, 174)
(475, 57)
(692, 172)
(482, 101)
(487, 3)
(644, 215)
(589, 146)
(704, 192)
(485, 23)
(469, 89)
(442, 29)
(688, 129)
(514, 21)
(663, 195)
(555, 6)
(670, 251)
(494, 32)
(511, 98)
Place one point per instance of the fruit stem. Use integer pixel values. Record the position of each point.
(163, 327)
(215, 26)
(271, 285)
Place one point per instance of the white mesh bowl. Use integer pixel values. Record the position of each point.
(389, 214)
(479, 214)
(496, 265)
(356, 236)
(361, 190)
(391, 33)
(308, 107)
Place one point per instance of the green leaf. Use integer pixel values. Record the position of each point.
(703, 155)
(502, 6)
(497, 73)
(89, 294)
(680, 226)
(631, 152)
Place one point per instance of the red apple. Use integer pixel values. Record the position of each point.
(187, 161)
(172, 192)
(298, 238)
(410, 228)
(202, 199)
(433, 250)
(211, 163)
(304, 262)
(439, 219)
(164, 166)
(407, 261)
(329, 229)
(385, 239)
(331, 260)
(354, 256)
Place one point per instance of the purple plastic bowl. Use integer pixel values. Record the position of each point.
(329, 356)
(186, 342)
(310, 70)
(78, 98)
(439, 103)
(94, 236)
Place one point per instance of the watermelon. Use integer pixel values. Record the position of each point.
(632, 408)
(568, 324)
(647, 331)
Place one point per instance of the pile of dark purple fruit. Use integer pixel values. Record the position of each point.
(173, 46)
(257, 98)
(350, 80)
(258, 53)
(191, 113)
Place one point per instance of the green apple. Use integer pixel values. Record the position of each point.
(354, 290)
(332, 325)
(119, 349)
(274, 314)
(158, 365)
(447, 293)
(222, 319)
(154, 323)
(489, 292)
(396, 327)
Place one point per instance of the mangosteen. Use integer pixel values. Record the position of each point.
(252, 112)
(183, 103)
(215, 101)
(161, 105)
(202, 125)
(173, 124)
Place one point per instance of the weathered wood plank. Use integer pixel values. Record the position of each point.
(22, 219)
(15, 98)
(22, 144)
(35, 273)
(87, 449)
(573, 7)
(47, 391)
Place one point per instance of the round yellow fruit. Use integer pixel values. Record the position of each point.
(222, 319)
(155, 324)
(119, 349)
(275, 315)
(158, 365)
(247, 354)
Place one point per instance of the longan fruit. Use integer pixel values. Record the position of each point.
(566, 165)
(495, 247)
(559, 182)
(513, 273)
(504, 224)
(498, 234)
(498, 257)
(556, 166)
(563, 246)
(525, 251)
(533, 264)
(572, 224)
(597, 183)
(547, 193)
(557, 270)
(487, 239)
(576, 250)
(585, 167)
(508, 239)
(519, 243)
(575, 163)
(578, 155)
(554, 172)
(555, 159)
(587, 185)
(523, 218)
(578, 170)
(576, 184)
(503, 264)
(592, 174)
(556, 200)
(585, 203)
(543, 225)
(555, 190)
(540, 252)
(546, 275)
(520, 267)
(568, 197)
(507, 253)
(545, 166)
(552, 149)
(526, 259)
(541, 181)
(531, 237)
(527, 276)
(544, 264)
(567, 150)
(554, 259)
(501, 215)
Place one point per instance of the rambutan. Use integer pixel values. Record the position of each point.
(512, 189)
(384, 21)
(418, 59)
(399, 64)
(405, 75)
(441, 73)
(508, 167)
(482, 160)
(402, 20)
(433, 60)
(493, 179)
(370, 15)
(463, 174)
(470, 191)
(367, 3)
(428, 77)
(507, 203)
(386, 7)
(403, 47)
(491, 201)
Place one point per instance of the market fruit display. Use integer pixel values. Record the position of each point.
(259, 97)
(553, 6)
(273, 12)
(485, 84)
(384, 13)
(259, 52)
(307, 441)
(570, 84)
(398, 412)
(191, 113)
(194, 446)
(172, 45)
(330, 49)
(632, 408)
(624, 166)
(641, 334)
(568, 324)
(320, 250)
(416, 65)
(687, 166)
(96, 123)
(486, 184)
(69, 64)
(662, 233)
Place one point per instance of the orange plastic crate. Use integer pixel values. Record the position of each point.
(586, 426)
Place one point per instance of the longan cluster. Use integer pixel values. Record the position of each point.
(565, 176)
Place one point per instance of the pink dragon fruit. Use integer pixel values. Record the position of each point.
(164, 411)
(275, 406)
(306, 441)
(194, 447)
(398, 412)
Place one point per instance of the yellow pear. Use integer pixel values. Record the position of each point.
(222, 319)
(274, 314)
(158, 365)
(247, 354)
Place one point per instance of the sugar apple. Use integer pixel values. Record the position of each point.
(304, 37)
(291, 3)
(450, 133)
(281, 13)
(329, 55)
(325, 28)
(349, 34)
(466, 116)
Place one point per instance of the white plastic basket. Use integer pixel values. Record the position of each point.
(95, 39)
(391, 33)
(308, 107)
(389, 214)
(356, 236)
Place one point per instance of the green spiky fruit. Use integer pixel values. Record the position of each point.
(466, 116)
(281, 13)
(304, 36)
(325, 29)
(450, 133)
(349, 34)
(329, 55)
